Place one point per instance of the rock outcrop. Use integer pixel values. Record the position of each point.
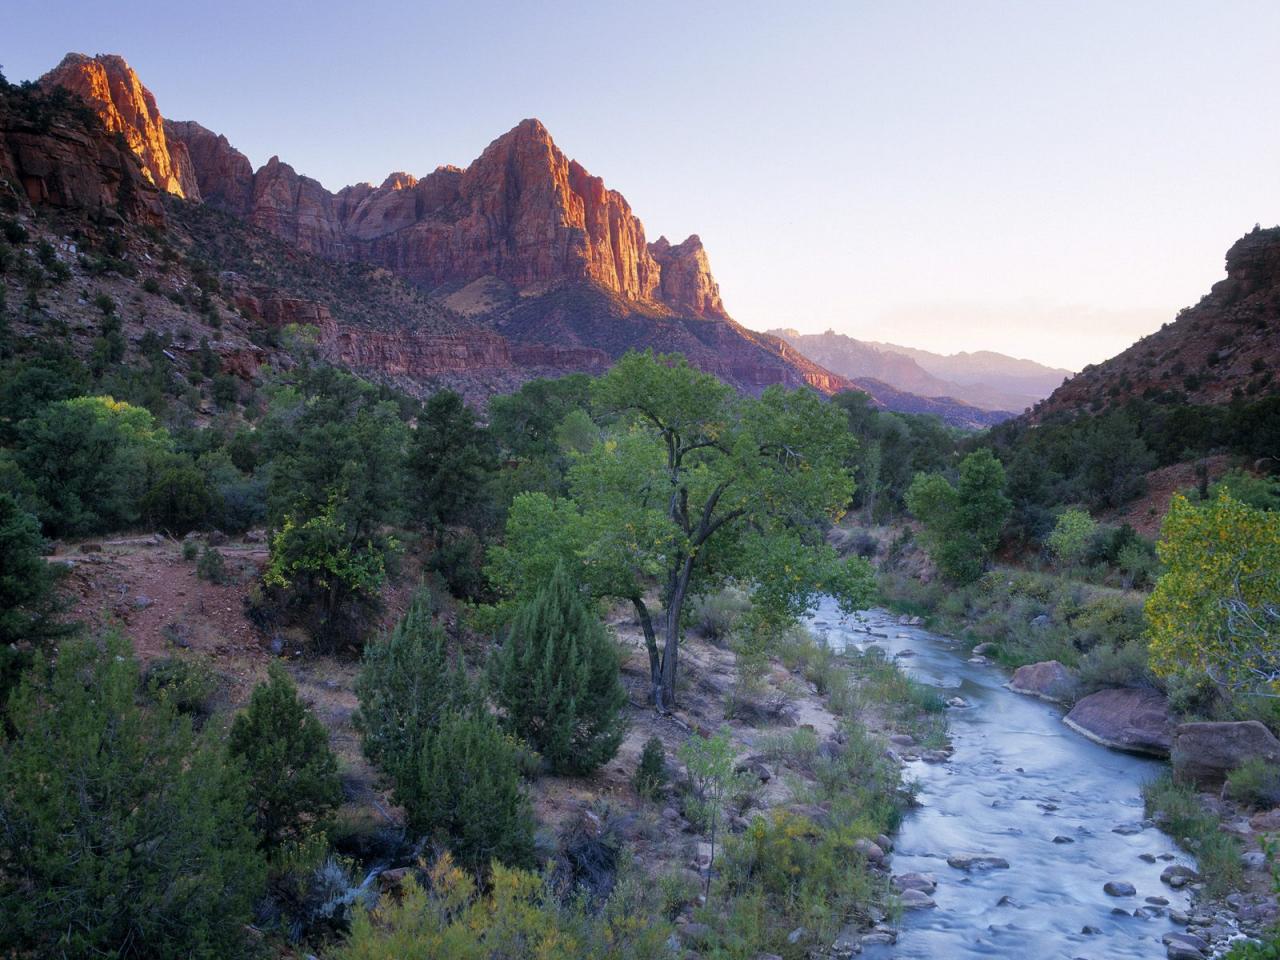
(108, 84)
(429, 354)
(686, 284)
(297, 209)
(60, 158)
(1205, 753)
(224, 175)
(1048, 680)
(1136, 720)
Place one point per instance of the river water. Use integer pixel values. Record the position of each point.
(1019, 778)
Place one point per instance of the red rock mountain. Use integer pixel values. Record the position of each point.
(1224, 348)
(65, 159)
(523, 212)
(523, 243)
(109, 85)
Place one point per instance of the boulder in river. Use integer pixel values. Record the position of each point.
(1204, 753)
(1178, 875)
(924, 882)
(977, 861)
(1185, 946)
(1048, 680)
(912, 899)
(1136, 720)
(1119, 888)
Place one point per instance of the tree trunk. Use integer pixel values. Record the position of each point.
(671, 650)
(650, 645)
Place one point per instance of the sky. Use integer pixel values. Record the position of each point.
(1049, 180)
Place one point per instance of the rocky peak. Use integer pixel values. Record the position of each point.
(399, 181)
(687, 285)
(110, 86)
(223, 174)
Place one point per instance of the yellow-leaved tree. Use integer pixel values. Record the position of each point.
(1216, 609)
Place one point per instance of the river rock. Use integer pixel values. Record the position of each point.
(870, 850)
(1204, 753)
(1048, 680)
(983, 649)
(1253, 860)
(1136, 720)
(924, 882)
(977, 861)
(916, 900)
(1184, 946)
(1119, 888)
(1177, 875)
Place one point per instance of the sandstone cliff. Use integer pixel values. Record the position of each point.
(109, 85)
(224, 176)
(686, 283)
(56, 155)
(522, 212)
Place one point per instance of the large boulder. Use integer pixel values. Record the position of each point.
(1048, 680)
(1136, 720)
(1204, 753)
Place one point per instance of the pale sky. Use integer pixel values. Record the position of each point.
(1051, 180)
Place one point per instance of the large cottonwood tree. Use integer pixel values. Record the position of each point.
(693, 486)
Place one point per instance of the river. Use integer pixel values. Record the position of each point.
(1018, 779)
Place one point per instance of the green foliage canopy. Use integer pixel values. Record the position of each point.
(124, 834)
(693, 485)
(293, 774)
(1216, 609)
(556, 679)
(962, 523)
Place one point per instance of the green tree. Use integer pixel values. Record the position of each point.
(449, 462)
(293, 774)
(124, 835)
(962, 523)
(28, 605)
(556, 679)
(469, 794)
(335, 482)
(1071, 536)
(179, 499)
(691, 486)
(1114, 462)
(90, 460)
(323, 569)
(1215, 610)
(407, 683)
(526, 427)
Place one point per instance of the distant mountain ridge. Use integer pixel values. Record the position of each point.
(987, 380)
